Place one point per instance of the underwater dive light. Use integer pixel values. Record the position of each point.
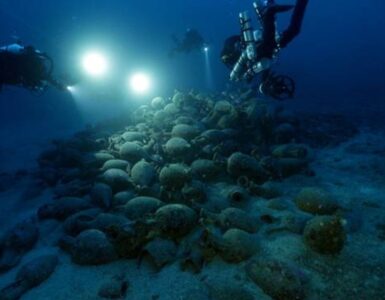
(140, 83)
(95, 64)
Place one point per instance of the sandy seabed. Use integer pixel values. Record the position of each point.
(353, 171)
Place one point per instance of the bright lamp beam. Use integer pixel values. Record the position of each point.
(140, 83)
(95, 64)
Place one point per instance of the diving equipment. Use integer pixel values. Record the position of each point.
(27, 67)
(13, 48)
(248, 35)
(239, 67)
(279, 87)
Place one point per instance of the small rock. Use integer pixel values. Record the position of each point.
(175, 220)
(96, 160)
(277, 279)
(16, 242)
(122, 198)
(114, 288)
(236, 218)
(132, 152)
(316, 201)
(101, 195)
(141, 207)
(80, 221)
(184, 131)
(117, 179)
(160, 252)
(291, 151)
(174, 176)
(91, 247)
(29, 276)
(116, 164)
(63, 208)
(239, 164)
(143, 174)
(204, 169)
(238, 245)
(177, 147)
(325, 234)
(158, 103)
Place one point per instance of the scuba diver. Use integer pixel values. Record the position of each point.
(27, 67)
(253, 52)
(192, 41)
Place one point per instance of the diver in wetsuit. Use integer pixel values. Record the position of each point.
(254, 52)
(192, 41)
(26, 67)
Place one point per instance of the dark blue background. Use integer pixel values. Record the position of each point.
(338, 60)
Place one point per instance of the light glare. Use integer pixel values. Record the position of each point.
(95, 64)
(140, 83)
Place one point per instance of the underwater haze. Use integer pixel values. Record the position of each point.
(141, 169)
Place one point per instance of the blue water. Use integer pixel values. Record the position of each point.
(337, 61)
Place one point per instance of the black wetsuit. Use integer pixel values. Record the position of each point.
(295, 24)
(231, 51)
(269, 43)
(27, 69)
(10, 68)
